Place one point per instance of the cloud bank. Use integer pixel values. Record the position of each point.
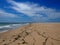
(35, 11)
(29, 10)
(6, 14)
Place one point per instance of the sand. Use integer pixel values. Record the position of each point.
(32, 34)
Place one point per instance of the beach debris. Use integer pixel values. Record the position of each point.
(3, 40)
(4, 44)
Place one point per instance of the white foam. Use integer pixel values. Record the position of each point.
(3, 31)
(6, 26)
(10, 26)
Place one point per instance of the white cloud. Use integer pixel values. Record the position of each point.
(34, 10)
(6, 14)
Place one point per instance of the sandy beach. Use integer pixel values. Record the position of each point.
(32, 34)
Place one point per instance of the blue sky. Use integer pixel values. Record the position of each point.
(29, 10)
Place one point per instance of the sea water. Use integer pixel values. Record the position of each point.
(8, 26)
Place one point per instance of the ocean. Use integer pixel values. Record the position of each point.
(8, 26)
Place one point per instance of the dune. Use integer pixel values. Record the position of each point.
(32, 34)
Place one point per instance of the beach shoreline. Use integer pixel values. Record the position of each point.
(14, 28)
(33, 34)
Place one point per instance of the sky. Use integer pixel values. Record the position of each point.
(29, 10)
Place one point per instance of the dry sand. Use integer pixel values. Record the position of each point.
(33, 34)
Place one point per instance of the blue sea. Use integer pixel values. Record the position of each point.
(8, 26)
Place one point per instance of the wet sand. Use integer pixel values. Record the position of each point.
(32, 34)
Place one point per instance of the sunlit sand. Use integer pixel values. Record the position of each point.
(32, 34)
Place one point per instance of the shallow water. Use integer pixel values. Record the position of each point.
(9, 26)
